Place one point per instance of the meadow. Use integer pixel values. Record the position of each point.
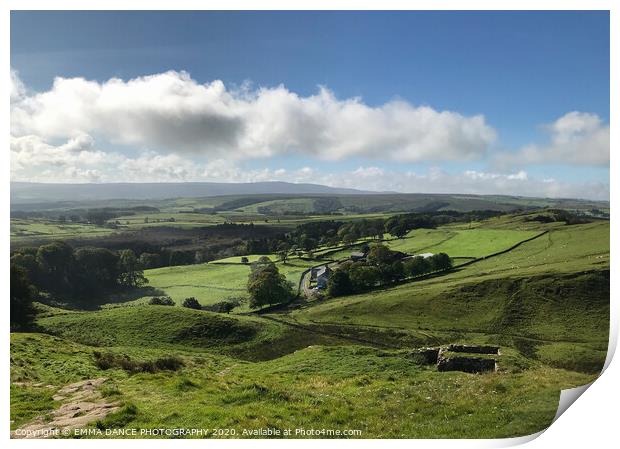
(215, 281)
(31, 230)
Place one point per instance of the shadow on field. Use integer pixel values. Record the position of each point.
(95, 303)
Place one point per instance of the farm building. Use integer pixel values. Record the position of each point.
(320, 275)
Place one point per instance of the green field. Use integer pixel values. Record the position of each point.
(345, 363)
(40, 229)
(213, 282)
(475, 242)
(164, 219)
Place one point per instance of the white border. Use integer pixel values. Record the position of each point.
(590, 422)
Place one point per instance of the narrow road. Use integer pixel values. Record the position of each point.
(305, 283)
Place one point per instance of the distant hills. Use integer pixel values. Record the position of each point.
(40, 196)
(30, 192)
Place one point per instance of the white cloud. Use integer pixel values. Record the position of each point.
(436, 180)
(576, 138)
(174, 124)
(171, 112)
(18, 90)
(78, 160)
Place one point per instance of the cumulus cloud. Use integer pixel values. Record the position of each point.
(576, 138)
(18, 90)
(177, 129)
(78, 160)
(171, 112)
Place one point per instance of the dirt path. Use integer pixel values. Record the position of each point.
(82, 404)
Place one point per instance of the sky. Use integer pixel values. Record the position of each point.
(436, 102)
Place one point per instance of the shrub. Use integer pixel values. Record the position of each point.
(192, 303)
(169, 363)
(161, 301)
(109, 360)
(225, 306)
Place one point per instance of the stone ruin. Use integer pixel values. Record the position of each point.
(445, 359)
(469, 349)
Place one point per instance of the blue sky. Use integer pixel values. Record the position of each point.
(523, 72)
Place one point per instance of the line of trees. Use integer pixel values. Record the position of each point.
(382, 266)
(60, 271)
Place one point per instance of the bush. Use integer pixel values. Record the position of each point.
(161, 301)
(169, 363)
(109, 360)
(225, 306)
(192, 303)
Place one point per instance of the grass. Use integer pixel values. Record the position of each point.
(476, 242)
(382, 393)
(344, 363)
(181, 220)
(44, 230)
(213, 282)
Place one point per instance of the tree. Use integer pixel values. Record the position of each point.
(308, 244)
(56, 263)
(131, 274)
(267, 286)
(29, 263)
(283, 250)
(192, 303)
(440, 261)
(161, 301)
(399, 230)
(417, 266)
(150, 260)
(393, 272)
(364, 277)
(96, 269)
(181, 258)
(339, 284)
(264, 260)
(22, 295)
(349, 238)
(381, 255)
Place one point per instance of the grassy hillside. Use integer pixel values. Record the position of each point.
(345, 363)
(551, 291)
(178, 328)
(337, 387)
(475, 242)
